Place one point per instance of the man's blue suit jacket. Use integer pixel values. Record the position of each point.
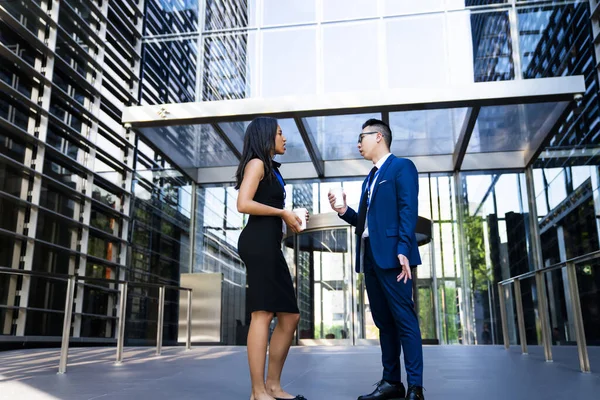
(392, 214)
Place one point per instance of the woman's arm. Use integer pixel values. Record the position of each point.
(253, 174)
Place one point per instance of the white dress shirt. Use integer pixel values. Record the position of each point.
(375, 178)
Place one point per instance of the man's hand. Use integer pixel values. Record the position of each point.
(406, 273)
(339, 210)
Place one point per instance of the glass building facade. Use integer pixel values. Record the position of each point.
(80, 193)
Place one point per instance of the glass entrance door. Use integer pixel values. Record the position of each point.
(324, 282)
(332, 298)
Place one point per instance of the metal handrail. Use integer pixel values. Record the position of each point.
(584, 362)
(575, 260)
(74, 280)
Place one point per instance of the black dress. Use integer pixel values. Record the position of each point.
(268, 278)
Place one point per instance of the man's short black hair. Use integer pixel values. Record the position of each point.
(381, 127)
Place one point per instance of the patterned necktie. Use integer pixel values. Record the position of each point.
(364, 204)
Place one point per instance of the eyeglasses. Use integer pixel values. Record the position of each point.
(361, 135)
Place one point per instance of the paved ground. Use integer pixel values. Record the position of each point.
(319, 373)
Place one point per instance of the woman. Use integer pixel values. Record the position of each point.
(270, 288)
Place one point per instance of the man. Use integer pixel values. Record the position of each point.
(385, 229)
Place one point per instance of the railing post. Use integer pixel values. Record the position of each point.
(121, 328)
(540, 287)
(536, 252)
(520, 316)
(584, 362)
(188, 344)
(66, 332)
(159, 326)
(504, 319)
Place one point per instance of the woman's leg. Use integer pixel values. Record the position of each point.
(258, 336)
(278, 351)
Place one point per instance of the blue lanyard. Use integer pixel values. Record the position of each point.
(281, 182)
(374, 179)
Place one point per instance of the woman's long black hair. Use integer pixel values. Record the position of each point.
(259, 142)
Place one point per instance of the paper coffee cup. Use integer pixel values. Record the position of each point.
(301, 213)
(338, 192)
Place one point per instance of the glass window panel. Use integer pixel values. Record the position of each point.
(27, 18)
(12, 147)
(60, 173)
(426, 132)
(294, 73)
(277, 12)
(580, 175)
(437, 245)
(236, 131)
(350, 57)
(459, 42)
(227, 14)
(492, 47)
(538, 184)
(9, 216)
(424, 199)
(426, 33)
(551, 174)
(107, 172)
(214, 210)
(295, 148)
(170, 71)
(557, 190)
(448, 250)
(54, 230)
(393, 7)
(445, 201)
(110, 146)
(477, 187)
(353, 193)
(191, 145)
(103, 248)
(348, 9)
(510, 127)
(12, 180)
(105, 197)
(230, 66)
(171, 16)
(507, 195)
(424, 271)
(435, 198)
(337, 136)
(461, 4)
(105, 222)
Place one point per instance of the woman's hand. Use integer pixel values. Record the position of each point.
(292, 220)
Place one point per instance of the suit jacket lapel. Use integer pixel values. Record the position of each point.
(381, 174)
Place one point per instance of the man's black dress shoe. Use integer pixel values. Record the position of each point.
(415, 393)
(385, 391)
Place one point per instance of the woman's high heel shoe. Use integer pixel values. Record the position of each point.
(299, 397)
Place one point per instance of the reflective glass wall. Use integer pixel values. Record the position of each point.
(81, 194)
(66, 163)
(211, 50)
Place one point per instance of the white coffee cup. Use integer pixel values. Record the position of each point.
(301, 213)
(338, 192)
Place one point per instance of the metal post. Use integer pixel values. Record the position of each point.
(536, 252)
(66, 333)
(540, 288)
(584, 362)
(121, 328)
(161, 316)
(501, 294)
(520, 316)
(188, 345)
